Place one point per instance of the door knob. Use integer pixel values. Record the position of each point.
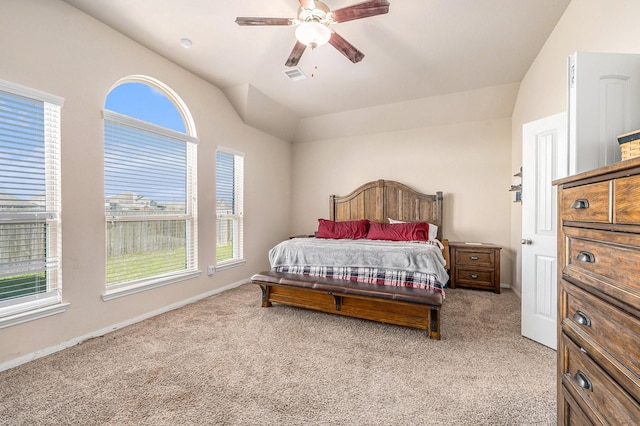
(526, 241)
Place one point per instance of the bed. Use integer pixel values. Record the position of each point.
(399, 282)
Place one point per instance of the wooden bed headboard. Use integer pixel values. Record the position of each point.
(383, 199)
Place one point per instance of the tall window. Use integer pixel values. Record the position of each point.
(30, 244)
(150, 190)
(229, 207)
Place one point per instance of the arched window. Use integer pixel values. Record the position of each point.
(150, 187)
(146, 103)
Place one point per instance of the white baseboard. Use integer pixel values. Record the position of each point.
(77, 340)
(503, 285)
(516, 291)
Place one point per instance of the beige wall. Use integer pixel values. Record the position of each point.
(469, 162)
(587, 25)
(50, 46)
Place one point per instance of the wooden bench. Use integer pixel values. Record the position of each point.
(410, 307)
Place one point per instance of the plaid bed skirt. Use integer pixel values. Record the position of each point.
(369, 276)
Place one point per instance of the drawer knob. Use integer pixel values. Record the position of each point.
(583, 381)
(474, 276)
(582, 318)
(585, 256)
(474, 257)
(580, 203)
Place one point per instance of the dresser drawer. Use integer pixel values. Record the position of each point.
(619, 264)
(586, 203)
(574, 415)
(587, 382)
(600, 326)
(626, 194)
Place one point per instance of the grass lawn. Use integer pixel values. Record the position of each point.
(22, 285)
(132, 267)
(224, 253)
(122, 269)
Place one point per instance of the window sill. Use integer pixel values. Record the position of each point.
(126, 290)
(34, 314)
(230, 264)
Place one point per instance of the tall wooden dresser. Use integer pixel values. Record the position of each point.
(599, 296)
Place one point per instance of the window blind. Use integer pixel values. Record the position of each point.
(30, 244)
(149, 201)
(229, 206)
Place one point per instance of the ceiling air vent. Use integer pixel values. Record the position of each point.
(295, 74)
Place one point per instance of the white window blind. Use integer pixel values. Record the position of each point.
(229, 207)
(30, 243)
(150, 201)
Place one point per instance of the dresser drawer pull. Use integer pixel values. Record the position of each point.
(474, 276)
(585, 256)
(474, 257)
(583, 381)
(582, 318)
(580, 203)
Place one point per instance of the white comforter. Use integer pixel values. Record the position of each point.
(423, 257)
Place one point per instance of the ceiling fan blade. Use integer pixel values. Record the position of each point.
(346, 48)
(307, 4)
(361, 10)
(296, 54)
(242, 20)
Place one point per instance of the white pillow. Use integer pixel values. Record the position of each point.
(433, 229)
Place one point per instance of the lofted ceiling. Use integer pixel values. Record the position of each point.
(420, 49)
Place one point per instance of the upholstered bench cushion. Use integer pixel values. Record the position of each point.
(404, 294)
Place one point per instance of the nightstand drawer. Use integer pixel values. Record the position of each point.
(475, 258)
(474, 277)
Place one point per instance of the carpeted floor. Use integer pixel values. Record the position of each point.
(227, 361)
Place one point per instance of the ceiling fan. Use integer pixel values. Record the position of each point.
(313, 22)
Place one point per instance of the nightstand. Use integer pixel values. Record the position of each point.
(475, 266)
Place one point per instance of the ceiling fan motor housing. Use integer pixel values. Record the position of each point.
(320, 13)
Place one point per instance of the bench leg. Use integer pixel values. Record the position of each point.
(434, 323)
(338, 301)
(265, 295)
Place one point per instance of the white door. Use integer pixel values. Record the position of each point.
(604, 102)
(544, 158)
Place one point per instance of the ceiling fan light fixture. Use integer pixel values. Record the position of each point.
(313, 34)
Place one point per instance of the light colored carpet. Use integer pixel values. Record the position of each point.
(227, 361)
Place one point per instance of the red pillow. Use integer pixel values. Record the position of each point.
(412, 231)
(352, 229)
